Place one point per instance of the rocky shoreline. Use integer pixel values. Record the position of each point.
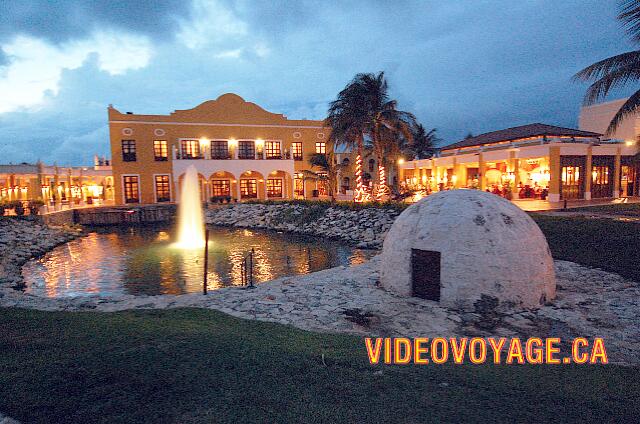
(22, 239)
(365, 228)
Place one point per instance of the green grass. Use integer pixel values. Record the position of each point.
(191, 365)
(603, 243)
(615, 209)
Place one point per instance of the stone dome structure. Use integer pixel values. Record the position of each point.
(455, 246)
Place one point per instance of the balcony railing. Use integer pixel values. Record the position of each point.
(237, 155)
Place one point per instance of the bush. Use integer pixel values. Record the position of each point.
(34, 206)
(220, 199)
(397, 206)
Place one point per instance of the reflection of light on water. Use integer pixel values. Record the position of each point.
(358, 257)
(142, 261)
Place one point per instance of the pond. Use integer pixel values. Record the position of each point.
(141, 261)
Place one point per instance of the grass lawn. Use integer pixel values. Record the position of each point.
(191, 365)
(632, 209)
(603, 243)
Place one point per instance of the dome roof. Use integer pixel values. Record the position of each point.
(455, 246)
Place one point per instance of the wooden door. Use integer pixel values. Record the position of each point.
(425, 274)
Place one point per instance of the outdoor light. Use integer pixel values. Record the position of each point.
(630, 143)
(400, 161)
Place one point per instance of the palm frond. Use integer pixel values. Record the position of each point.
(612, 64)
(630, 17)
(630, 107)
(619, 78)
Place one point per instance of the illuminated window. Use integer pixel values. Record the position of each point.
(298, 187)
(163, 190)
(274, 187)
(219, 150)
(190, 149)
(248, 189)
(220, 188)
(296, 150)
(131, 189)
(246, 149)
(128, 150)
(160, 150)
(323, 184)
(321, 147)
(272, 150)
(601, 175)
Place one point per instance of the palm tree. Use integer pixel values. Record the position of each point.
(347, 119)
(617, 71)
(326, 162)
(423, 146)
(383, 121)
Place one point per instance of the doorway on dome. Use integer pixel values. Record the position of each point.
(425, 274)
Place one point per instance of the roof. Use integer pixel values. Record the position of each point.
(523, 131)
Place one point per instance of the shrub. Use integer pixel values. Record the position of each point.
(34, 206)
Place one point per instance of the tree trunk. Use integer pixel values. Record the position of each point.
(361, 194)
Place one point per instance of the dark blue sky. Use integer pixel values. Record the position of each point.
(463, 66)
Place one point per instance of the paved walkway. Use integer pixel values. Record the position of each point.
(534, 205)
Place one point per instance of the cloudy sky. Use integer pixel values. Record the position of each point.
(460, 66)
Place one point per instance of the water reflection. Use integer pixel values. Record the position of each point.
(140, 261)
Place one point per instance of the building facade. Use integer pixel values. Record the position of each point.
(240, 151)
(536, 161)
(58, 185)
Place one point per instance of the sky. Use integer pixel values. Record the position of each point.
(465, 66)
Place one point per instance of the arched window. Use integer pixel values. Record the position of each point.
(372, 165)
(346, 162)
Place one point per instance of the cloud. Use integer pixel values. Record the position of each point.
(459, 66)
(210, 24)
(35, 66)
(61, 21)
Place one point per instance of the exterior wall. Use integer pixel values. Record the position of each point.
(596, 118)
(227, 118)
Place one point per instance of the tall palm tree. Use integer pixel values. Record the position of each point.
(383, 120)
(347, 119)
(617, 71)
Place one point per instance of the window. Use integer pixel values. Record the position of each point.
(600, 175)
(372, 165)
(272, 148)
(296, 149)
(246, 149)
(163, 190)
(220, 188)
(128, 150)
(248, 189)
(321, 147)
(274, 187)
(160, 151)
(219, 150)
(298, 187)
(323, 184)
(346, 162)
(190, 149)
(131, 189)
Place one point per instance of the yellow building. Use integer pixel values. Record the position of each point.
(535, 161)
(240, 151)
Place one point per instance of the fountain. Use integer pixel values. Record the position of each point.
(190, 216)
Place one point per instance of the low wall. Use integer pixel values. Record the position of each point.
(65, 217)
(365, 227)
